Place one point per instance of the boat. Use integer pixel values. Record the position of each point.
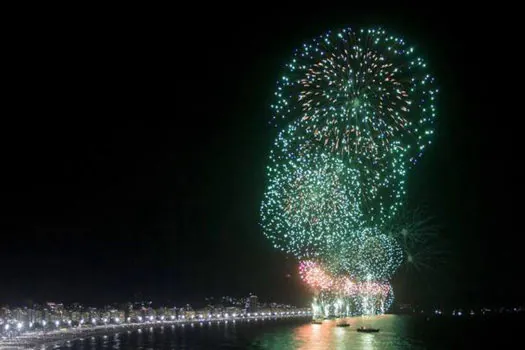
(367, 330)
(317, 321)
(343, 324)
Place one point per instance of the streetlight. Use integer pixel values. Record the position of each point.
(57, 323)
(6, 327)
(19, 326)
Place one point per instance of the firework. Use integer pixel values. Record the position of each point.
(413, 227)
(315, 276)
(374, 298)
(365, 97)
(355, 111)
(378, 257)
(417, 234)
(370, 254)
(377, 190)
(310, 205)
(362, 94)
(343, 296)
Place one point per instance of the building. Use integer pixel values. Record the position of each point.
(252, 304)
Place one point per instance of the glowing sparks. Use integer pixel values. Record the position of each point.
(343, 296)
(315, 276)
(355, 111)
(310, 205)
(357, 92)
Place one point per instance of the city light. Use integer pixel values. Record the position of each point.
(68, 320)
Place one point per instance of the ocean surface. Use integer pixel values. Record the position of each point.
(396, 332)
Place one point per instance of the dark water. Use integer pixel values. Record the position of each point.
(397, 332)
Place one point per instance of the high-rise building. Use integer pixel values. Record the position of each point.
(252, 304)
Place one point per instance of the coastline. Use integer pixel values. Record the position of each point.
(32, 340)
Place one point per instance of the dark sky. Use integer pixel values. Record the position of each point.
(134, 146)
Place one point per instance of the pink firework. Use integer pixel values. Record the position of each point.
(315, 276)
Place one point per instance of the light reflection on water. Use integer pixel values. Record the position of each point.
(259, 334)
(328, 336)
(396, 332)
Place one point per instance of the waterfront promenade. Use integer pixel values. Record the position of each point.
(33, 339)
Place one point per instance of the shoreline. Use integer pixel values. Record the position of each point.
(33, 340)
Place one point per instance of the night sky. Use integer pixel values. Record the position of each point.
(134, 149)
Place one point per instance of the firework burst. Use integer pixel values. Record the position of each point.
(310, 205)
(355, 111)
(364, 94)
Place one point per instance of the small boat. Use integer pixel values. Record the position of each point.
(317, 321)
(343, 324)
(368, 330)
